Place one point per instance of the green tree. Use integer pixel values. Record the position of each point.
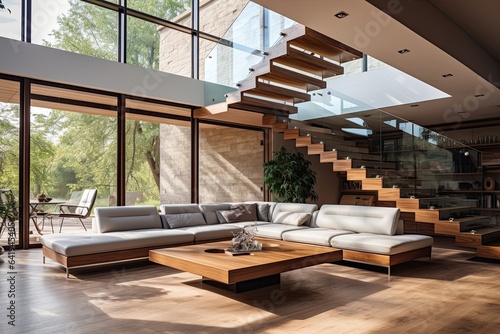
(86, 149)
(9, 145)
(289, 177)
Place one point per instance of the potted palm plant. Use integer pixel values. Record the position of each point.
(8, 211)
(289, 177)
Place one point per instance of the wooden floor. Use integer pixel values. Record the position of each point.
(453, 294)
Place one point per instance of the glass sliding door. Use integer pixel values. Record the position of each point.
(9, 148)
(73, 148)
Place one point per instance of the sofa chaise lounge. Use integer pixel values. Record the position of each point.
(371, 235)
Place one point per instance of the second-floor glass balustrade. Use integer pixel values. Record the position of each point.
(242, 46)
(421, 163)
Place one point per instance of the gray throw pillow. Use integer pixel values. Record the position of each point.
(237, 213)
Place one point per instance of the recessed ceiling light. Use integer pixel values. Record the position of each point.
(447, 75)
(341, 15)
(403, 51)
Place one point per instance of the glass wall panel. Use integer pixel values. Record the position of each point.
(76, 26)
(73, 147)
(156, 162)
(9, 149)
(10, 19)
(173, 10)
(175, 52)
(230, 164)
(247, 30)
(228, 61)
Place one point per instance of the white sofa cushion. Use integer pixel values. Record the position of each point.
(316, 236)
(212, 232)
(360, 219)
(125, 218)
(294, 218)
(275, 231)
(381, 244)
(73, 244)
(281, 210)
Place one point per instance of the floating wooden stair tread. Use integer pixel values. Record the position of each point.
(248, 102)
(309, 63)
(321, 44)
(275, 92)
(291, 78)
(482, 235)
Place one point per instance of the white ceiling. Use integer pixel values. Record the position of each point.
(460, 37)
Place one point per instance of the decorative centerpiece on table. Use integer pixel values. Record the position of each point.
(244, 242)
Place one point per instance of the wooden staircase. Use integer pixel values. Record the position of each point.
(299, 65)
(459, 221)
(289, 70)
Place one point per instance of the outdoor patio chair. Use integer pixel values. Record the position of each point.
(80, 211)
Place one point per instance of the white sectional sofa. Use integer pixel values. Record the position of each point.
(365, 234)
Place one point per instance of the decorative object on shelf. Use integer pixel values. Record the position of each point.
(289, 177)
(489, 184)
(244, 241)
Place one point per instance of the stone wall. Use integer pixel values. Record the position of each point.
(230, 165)
(175, 164)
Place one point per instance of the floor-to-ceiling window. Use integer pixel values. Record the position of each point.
(9, 146)
(10, 19)
(158, 153)
(74, 130)
(73, 147)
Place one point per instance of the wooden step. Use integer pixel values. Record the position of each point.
(438, 214)
(290, 134)
(303, 141)
(280, 127)
(323, 45)
(389, 194)
(288, 77)
(481, 236)
(314, 149)
(267, 90)
(309, 63)
(458, 225)
(356, 174)
(328, 156)
(342, 165)
(248, 101)
(372, 184)
(489, 250)
(408, 204)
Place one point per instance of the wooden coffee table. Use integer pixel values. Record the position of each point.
(243, 272)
